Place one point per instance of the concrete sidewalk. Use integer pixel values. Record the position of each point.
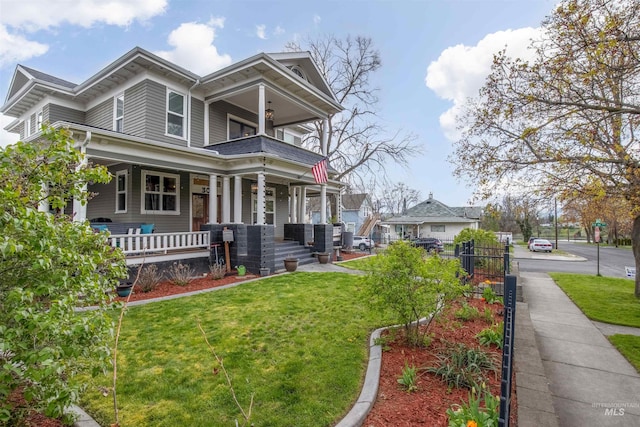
(591, 383)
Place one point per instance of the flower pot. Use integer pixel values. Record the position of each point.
(323, 258)
(242, 270)
(124, 289)
(291, 264)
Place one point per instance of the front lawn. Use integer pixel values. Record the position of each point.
(298, 342)
(629, 346)
(605, 299)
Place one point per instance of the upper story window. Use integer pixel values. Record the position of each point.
(175, 114)
(121, 191)
(27, 127)
(298, 72)
(118, 113)
(288, 136)
(238, 129)
(160, 193)
(39, 121)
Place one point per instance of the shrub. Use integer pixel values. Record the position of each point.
(408, 378)
(463, 367)
(218, 271)
(493, 335)
(148, 277)
(180, 274)
(467, 312)
(411, 287)
(44, 339)
(490, 296)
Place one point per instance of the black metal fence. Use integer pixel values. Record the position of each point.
(507, 349)
(484, 264)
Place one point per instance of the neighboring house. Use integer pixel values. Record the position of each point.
(189, 152)
(432, 218)
(356, 208)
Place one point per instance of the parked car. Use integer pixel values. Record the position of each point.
(430, 244)
(361, 242)
(531, 239)
(541, 245)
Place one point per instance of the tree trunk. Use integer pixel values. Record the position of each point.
(635, 244)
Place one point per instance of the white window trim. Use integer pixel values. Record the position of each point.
(254, 196)
(115, 111)
(27, 128)
(39, 119)
(143, 192)
(125, 173)
(241, 120)
(184, 116)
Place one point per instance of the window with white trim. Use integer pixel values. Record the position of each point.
(175, 114)
(39, 121)
(118, 113)
(437, 228)
(160, 193)
(269, 205)
(121, 191)
(27, 127)
(238, 129)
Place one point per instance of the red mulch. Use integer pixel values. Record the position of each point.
(427, 406)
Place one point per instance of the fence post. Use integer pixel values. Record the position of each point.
(507, 349)
(472, 258)
(506, 259)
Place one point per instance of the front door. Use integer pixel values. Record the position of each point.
(200, 206)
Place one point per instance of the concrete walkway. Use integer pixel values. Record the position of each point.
(591, 383)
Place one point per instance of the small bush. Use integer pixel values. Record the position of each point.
(218, 271)
(148, 277)
(488, 315)
(408, 378)
(467, 312)
(180, 274)
(463, 415)
(463, 367)
(493, 335)
(490, 296)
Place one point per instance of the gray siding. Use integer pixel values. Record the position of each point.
(134, 110)
(156, 120)
(101, 115)
(218, 119)
(197, 123)
(58, 112)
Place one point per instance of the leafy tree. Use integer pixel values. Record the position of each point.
(479, 236)
(491, 218)
(412, 286)
(568, 117)
(358, 145)
(50, 266)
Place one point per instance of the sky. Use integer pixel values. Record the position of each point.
(435, 53)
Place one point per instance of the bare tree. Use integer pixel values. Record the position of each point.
(568, 118)
(358, 145)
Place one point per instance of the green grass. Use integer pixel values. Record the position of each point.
(356, 264)
(298, 342)
(629, 346)
(605, 299)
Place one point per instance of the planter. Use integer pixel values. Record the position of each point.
(242, 270)
(291, 264)
(323, 258)
(124, 289)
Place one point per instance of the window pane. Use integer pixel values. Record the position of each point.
(122, 202)
(153, 183)
(235, 130)
(248, 130)
(176, 103)
(122, 180)
(151, 202)
(169, 185)
(174, 124)
(119, 107)
(168, 203)
(269, 206)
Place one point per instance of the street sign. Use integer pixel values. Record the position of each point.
(599, 223)
(597, 235)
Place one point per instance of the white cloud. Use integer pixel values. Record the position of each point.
(279, 30)
(460, 71)
(260, 31)
(7, 138)
(316, 19)
(15, 48)
(194, 49)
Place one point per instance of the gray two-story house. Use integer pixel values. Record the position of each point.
(192, 155)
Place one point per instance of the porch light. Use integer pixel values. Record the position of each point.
(268, 113)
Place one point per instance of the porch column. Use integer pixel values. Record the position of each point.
(303, 205)
(339, 207)
(325, 136)
(261, 103)
(213, 198)
(206, 123)
(80, 209)
(323, 204)
(226, 200)
(237, 199)
(260, 220)
(293, 217)
(43, 206)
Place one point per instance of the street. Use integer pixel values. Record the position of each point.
(612, 260)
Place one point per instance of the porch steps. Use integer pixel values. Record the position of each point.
(288, 249)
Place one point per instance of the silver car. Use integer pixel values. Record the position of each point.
(361, 242)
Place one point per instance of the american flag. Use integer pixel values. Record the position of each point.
(319, 171)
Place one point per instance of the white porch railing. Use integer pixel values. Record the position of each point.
(137, 244)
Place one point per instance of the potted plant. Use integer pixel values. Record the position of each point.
(323, 257)
(242, 270)
(124, 289)
(291, 263)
